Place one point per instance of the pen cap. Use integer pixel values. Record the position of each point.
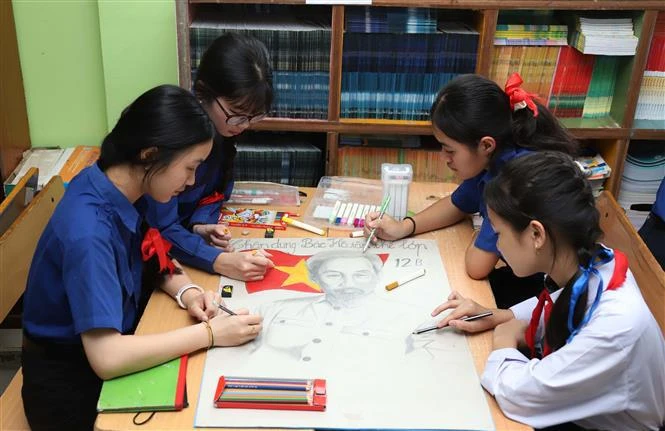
(396, 180)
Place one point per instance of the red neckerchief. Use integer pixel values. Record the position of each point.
(152, 244)
(518, 95)
(211, 199)
(545, 303)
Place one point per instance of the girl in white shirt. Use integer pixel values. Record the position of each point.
(593, 353)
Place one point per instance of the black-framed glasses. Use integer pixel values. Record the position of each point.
(239, 120)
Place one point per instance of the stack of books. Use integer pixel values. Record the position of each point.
(596, 170)
(642, 174)
(651, 102)
(604, 36)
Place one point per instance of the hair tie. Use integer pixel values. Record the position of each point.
(519, 98)
(154, 244)
(600, 257)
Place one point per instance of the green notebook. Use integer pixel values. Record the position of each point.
(159, 388)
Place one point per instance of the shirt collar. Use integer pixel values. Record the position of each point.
(107, 191)
(500, 160)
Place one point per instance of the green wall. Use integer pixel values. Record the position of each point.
(83, 61)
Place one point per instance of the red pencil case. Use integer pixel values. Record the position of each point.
(315, 396)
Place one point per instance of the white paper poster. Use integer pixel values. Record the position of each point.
(328, 315)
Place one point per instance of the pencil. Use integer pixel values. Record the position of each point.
(384, 207)
(466, 319)
(223, 308)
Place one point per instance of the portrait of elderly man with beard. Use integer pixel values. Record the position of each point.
(348, 316)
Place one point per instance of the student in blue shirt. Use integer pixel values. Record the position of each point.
(234, 86)
(481, 127)
(84, 293)
(653, 229)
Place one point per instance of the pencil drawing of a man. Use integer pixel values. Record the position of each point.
(348, 317)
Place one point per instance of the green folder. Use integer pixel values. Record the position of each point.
(159, 388)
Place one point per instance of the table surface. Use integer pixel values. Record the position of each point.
(162, 313)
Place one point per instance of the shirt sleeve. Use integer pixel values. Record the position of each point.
(580, 380)
(188, 248)
(486, 238)
(467, 196)
(524, 309)
(209, 214)
(92, 283)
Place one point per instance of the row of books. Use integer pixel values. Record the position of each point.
(453, 50)
(301, 81)
(285, 161)
(397, 76)
(642, 174)
(390, 20)
(651, 101)
(395, 96)
(300, 94)
(570, 83)
(536, 66)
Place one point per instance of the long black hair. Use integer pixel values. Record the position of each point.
(549, 187)
(237, 68)
(470, 107)
(167, 118)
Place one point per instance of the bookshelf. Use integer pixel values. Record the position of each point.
(609, 134)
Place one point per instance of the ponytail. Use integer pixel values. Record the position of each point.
(471, 107)
(549, 187)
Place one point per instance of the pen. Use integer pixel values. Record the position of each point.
(466, 319)
(223, 308)
(384, 207)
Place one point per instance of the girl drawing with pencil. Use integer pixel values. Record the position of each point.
(234, 87)
(86, 286)
(593, 352)
(481, 127)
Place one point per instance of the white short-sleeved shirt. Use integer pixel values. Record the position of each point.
(611, 376)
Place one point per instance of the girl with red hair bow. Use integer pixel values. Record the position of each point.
(481, 127)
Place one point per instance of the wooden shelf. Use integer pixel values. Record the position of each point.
(486, 4)
(611, 134)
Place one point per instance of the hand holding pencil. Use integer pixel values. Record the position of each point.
(387, 228)
(464, 307)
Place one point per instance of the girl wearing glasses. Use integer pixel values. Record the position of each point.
(234, 86)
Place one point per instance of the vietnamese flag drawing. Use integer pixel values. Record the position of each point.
(290, 273)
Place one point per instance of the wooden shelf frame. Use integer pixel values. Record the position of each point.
(612, 133)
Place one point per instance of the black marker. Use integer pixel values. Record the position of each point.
(466, 319)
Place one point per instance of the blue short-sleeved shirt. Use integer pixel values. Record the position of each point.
(175, 217)
(468, 197)
(659, 205)
(86, 271)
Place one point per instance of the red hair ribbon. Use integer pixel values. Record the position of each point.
(211, 199)
(519, 98)
(154, 244)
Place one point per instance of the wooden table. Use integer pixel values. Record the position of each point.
(163, 314)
